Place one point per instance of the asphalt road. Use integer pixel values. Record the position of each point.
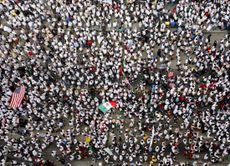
(216, 35)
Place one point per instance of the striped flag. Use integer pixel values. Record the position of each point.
(107, 106)
(17, 97)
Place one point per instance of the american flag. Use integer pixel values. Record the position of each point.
(17, 97)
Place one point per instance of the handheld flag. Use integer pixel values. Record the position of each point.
(17, 97)
(107, 106)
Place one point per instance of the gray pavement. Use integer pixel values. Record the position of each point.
(216, 35)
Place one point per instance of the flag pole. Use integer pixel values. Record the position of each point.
(125, 78)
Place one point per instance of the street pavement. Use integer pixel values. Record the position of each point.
(217, 35)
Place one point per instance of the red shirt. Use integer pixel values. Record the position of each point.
(182, 99)
(203, 86)
(89, 43)
(30, 53)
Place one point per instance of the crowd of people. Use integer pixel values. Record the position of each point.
(169, 80)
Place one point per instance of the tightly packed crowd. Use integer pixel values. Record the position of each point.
(170, 81)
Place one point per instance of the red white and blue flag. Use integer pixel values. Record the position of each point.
(17, 97)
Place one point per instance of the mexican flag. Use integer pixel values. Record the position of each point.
(107, 106)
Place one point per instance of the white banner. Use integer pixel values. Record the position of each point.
(108, 1)
(151, 141)
(108, 151)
